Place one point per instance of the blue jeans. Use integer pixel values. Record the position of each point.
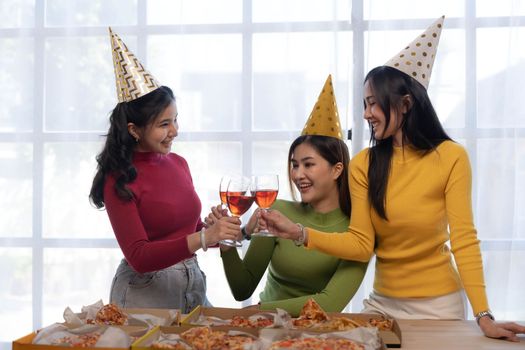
(181, 286)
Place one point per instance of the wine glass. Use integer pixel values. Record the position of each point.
(223, 187)
(239, 198)
(266, 190)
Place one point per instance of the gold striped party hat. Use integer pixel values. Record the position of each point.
(324, 119)
(132, 79)
(417, 59)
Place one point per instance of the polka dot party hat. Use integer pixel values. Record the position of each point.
(324, 119)
(417, 59)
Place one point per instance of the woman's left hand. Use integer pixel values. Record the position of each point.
(501, 330)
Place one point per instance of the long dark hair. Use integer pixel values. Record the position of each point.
(117, 155)
(334, 151)
(420, 125)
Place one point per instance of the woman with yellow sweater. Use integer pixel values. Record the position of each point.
(411, 194)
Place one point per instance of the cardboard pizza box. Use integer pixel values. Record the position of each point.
(219, 312)
(144, 343)
(392, 338)
(26, 342)
(276, 334)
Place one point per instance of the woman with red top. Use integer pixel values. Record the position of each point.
(150, 199)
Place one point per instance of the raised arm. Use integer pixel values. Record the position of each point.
(355, 244)
(145, 254)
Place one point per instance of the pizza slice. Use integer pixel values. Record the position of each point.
(311, 314)
(382, 323)
(197, 337)
(110, 314)
(338, 324)
(316, 344)
(87, 340)
(240, 321)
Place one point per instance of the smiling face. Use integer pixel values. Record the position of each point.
(159, 134)
(382, 128)
(315, 178)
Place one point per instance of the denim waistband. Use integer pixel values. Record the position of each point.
(189, 263)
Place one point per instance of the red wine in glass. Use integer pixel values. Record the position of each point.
(239, 203)
(266, 190)
(265, 198)
(239, 198)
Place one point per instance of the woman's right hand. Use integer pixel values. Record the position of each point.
(278, 224)
(215, 214)
(226, 227)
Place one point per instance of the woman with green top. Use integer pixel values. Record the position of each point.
(318, 168)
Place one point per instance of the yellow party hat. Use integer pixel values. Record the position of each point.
(324, 119)
(417, 59)
(132, 79)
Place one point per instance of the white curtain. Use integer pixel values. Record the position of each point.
(246, 74)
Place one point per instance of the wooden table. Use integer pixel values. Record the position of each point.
(450, 335)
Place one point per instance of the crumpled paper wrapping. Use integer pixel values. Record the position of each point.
(368, 337)
(74, 320)
(111, 337)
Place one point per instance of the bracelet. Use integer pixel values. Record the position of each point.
(245, 234)
(300, 241)
(203, 239)
(483, 314)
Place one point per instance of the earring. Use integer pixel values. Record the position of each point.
(136, 139)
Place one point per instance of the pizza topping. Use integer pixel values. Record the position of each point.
(313, 316)
(109, 314)
(259, 322)
(316, 344)
(203, 338)
(382, 323)
(78, 341)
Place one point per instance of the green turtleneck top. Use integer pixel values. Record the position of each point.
(295, 274)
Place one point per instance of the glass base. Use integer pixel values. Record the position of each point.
(231, 243)
(263, 234)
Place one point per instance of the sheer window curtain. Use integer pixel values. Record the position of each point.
(246, 74)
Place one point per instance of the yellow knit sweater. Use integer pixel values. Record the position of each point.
(428, 202)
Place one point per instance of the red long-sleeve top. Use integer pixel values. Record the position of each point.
(151, 228)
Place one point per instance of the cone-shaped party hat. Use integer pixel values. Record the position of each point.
(132, 79)
(324, 119)
(417, 59)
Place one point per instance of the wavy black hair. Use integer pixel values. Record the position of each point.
(333, 150)
(117, 155)
(420, 125)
